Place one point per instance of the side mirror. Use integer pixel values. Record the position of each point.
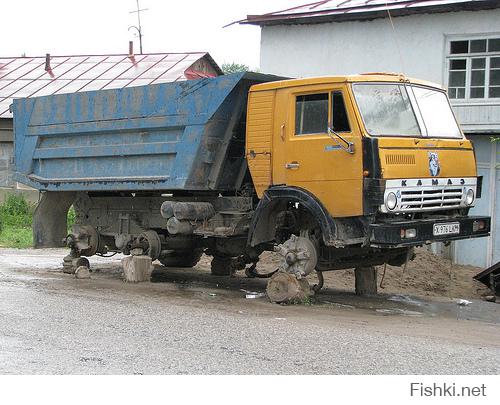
(344, 144)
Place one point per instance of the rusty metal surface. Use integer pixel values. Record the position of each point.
(168, 136)
(40, 76)
(335, 10)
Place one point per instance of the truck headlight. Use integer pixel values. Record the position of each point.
(469, 197)
(391, 201)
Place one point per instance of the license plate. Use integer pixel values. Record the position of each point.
(446, 229)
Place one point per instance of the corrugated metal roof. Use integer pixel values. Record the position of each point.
(335, 10)
(30, 77)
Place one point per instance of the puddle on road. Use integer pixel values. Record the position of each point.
(252, 289)
(397, 311)
(25, 277)
(201, 286)
(27, 261)
(336, 304)
(409, 306)
(402, 305)
(406, 299)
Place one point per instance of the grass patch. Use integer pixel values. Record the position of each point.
(16, 237)
(16, 218)
(16, 212)
(307, 301)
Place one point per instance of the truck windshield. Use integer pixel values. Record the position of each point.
(393, 109)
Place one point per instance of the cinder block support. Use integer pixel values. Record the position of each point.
(137, 268)
(365, 280)
(50, 219)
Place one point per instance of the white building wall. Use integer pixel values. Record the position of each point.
(367, 46)
(416, 47)
(483, 252)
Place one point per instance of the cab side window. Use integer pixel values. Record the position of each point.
(311, 114)
(340, 122)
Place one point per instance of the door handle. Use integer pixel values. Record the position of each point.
(292, 165)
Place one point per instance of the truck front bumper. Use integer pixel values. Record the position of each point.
(400, 233)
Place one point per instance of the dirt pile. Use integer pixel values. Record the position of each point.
(427, 275)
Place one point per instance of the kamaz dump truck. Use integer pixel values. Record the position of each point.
(329, 172)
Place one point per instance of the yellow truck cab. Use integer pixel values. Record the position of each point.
(382, 154)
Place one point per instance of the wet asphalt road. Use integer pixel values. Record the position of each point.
(194, 323)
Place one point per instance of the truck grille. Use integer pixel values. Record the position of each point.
(429, 199)
(428, 194)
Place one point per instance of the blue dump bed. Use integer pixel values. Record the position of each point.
(175, 136)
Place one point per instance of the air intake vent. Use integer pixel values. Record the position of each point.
(400, 159)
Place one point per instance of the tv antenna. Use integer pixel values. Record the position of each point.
(138, 27)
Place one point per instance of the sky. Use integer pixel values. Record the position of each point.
(80, 27)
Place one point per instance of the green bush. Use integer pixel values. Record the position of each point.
(16, 219)
(16, 237)
(229, 68)
(71, 217)
(16, 211)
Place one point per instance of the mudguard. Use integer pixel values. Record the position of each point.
(262, 226)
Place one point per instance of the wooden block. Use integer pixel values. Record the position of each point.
(365, 280)
(82, 272)
(137, 268)
(285, 288)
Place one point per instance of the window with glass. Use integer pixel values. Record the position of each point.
(340, 122)
(437, 116)
(395, 109)
(386, 109)
(474, 69)
(311, 113)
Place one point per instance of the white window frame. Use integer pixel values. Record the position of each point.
(487, 55)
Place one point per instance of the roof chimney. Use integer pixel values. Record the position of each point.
(130, 49)
(47, 62)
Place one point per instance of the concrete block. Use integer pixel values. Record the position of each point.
(137, 268)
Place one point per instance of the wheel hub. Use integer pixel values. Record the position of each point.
(290, 258)
(299, 256)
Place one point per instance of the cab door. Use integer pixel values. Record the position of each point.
(314, 160)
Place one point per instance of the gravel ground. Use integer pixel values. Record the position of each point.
(195, 323)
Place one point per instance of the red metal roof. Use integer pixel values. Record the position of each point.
(32, 77)
(342, 10)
